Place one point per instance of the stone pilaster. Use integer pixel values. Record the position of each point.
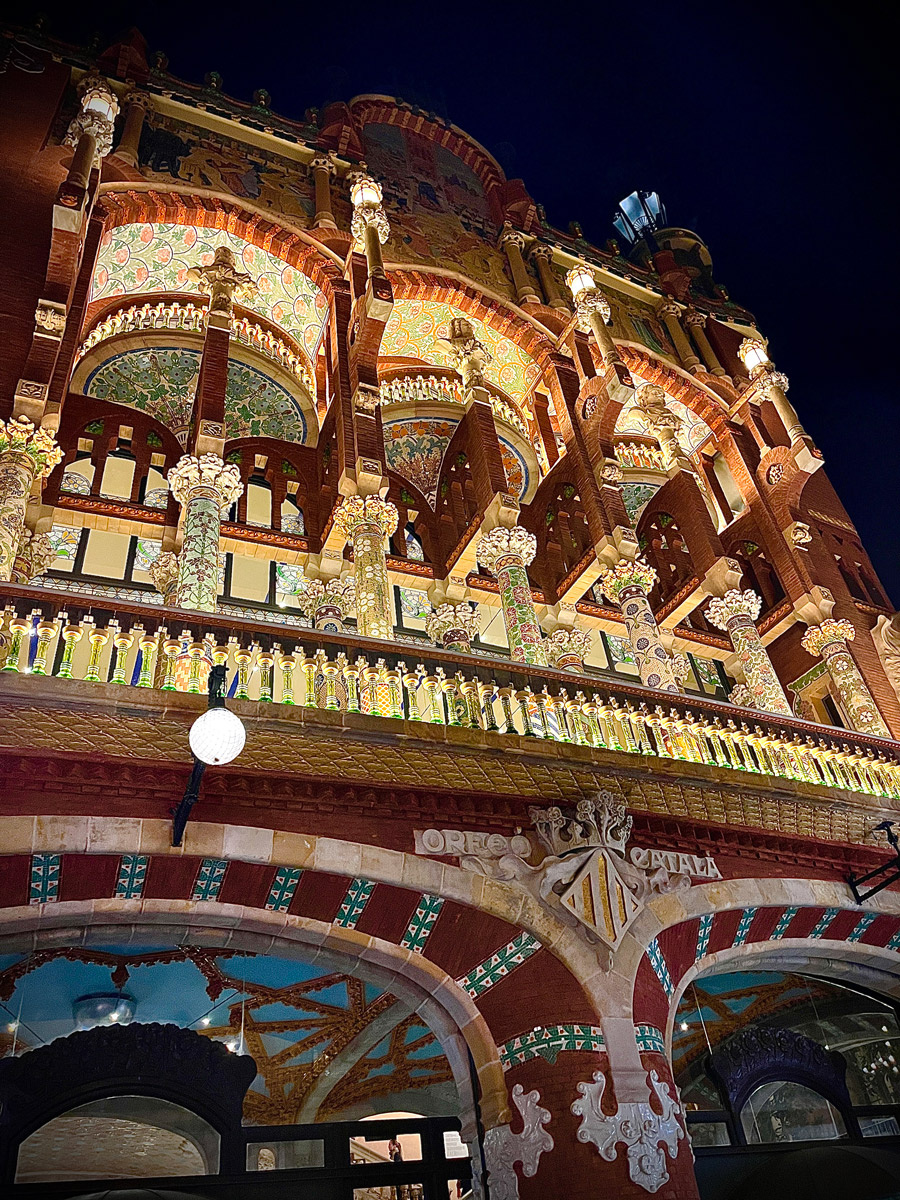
(323, 167)
(628, 584)
(365, 521)
(735, 613)
(506, 553)
(829, 640)
(696, 323)
(327, 603)
(204, 487)
(138, 106)
(26, 454)
(542, 256)
(453, 626)
(512, 242)
(671, 315)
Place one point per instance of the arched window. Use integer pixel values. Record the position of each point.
(789, 1112)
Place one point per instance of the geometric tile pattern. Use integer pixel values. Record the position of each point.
(421, 923)
(44, 887)
(499, 965)
(823, 922)
(354, 902)
(649, 1039)
(210, 878)
(860, 927)
(283, 887)
(894, 943)
(706, 924)
(783, 921)
(744, 926)
(658, 963)
(548, 1040)
(132, 876)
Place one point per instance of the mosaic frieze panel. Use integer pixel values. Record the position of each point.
(415, 449)
(157, 258)
(415, 330)
(692, 432)
(636, 497)
(172, 150)
(161, 382)
(517, 474)
(436, 205)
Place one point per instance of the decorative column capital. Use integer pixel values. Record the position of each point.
(500, 545)
(359, 511)
(337, 593)
(829, 633)
(769, 379)
(367, 196)
(670, 309)
(207, 476)
(34, 557)
(449, 619)
(722, 610)
(695, 319)
(164, 573)
(222, 281)
(510, 237)
(323, 161)
(19, 437)
(566, 648)
(628, 575)
(540, 251)
(469, 355)
(587, 296)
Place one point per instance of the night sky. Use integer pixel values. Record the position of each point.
(768, 128)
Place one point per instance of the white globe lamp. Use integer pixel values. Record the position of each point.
(217, 737)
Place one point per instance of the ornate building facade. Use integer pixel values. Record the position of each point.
(569, 691)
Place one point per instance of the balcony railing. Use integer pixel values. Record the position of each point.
(419, 389)
(171, 650)
(188, 318)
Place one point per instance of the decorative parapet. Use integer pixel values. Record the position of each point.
(723, 609)
(627, 576)
(188, 318)
(420, 389)
(501, 547)
(207, 476)
(19, 437)
(361, 513)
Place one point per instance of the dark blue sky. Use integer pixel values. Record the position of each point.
(769, 128)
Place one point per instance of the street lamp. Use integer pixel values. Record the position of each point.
(216, 738)
(639, 216)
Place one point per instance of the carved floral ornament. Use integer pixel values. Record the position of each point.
(335, 593)
(206, 476)
(567, 643)
(645, 1133)
(516, 545)
(18, 436)
(222, 281)
(734, 604)
(628, 574)
(366, 196)
(587, 296)
(503, 1148)
(448, 618)
(360, 513)
(34, 557)
(97, 115)
(829, 633)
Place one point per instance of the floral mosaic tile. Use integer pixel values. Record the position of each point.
(132, 876)
(156, 258)
(354, 902)
(415, 449)
(636, 497)
(283, 887)
(421, 923)
(44, 885)
(210, 878)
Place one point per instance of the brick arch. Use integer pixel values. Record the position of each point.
(128, 204)
(678, 937)
(445, 1007)
(416, 283)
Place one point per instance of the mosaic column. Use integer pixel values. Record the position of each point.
(365, 521)
(506, 553)
(830, 641)
(735, 613)
(628, 584)
(566, 649)
(327, 604)
(453, 626)
(26, 454)
(204, 487)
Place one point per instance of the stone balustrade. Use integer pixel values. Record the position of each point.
(420, 389)
(331, 672)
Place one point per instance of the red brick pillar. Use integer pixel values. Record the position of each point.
(574, 1168)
